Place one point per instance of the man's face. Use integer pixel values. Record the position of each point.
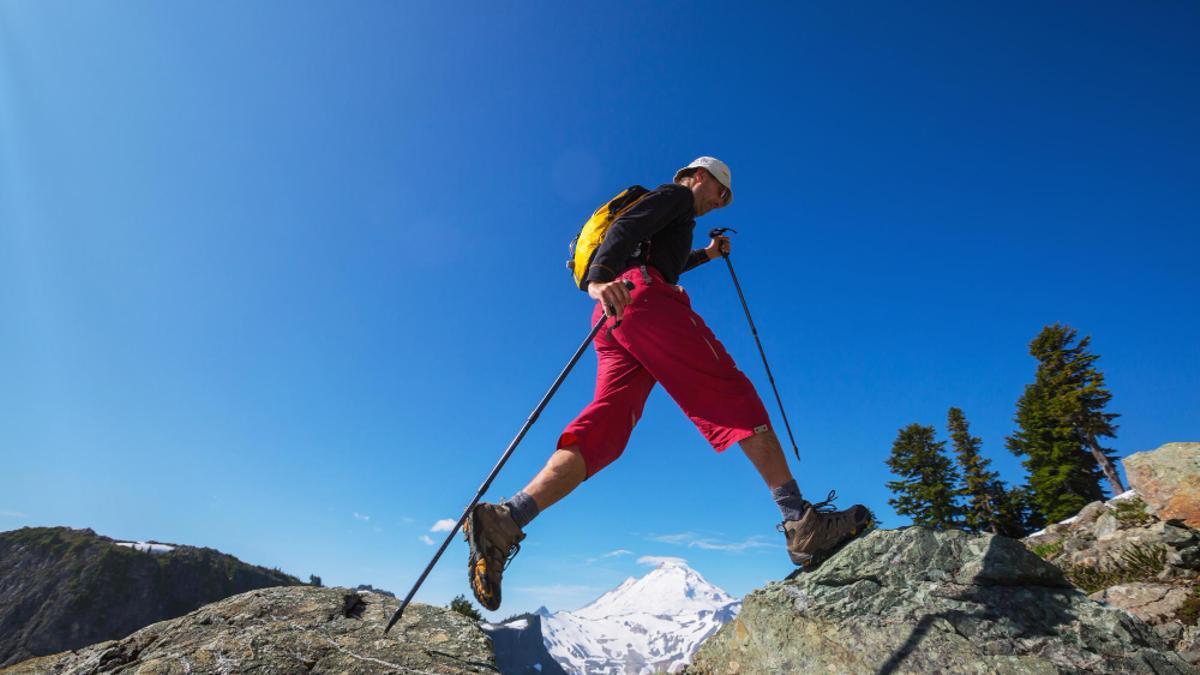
(708, 192)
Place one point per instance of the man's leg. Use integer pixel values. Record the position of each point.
(679, 350)
(766, 454)
(592, 441)
(564, 471)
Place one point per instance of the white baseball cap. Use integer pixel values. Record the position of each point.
(716, 167)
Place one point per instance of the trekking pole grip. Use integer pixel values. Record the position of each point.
(720, 232)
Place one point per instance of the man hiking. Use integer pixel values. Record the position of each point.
(659, 339)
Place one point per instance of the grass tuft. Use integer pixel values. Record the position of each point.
(1134, 563)
(1132, 512)
(1047, 551)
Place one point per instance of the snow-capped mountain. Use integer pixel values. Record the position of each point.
(645, 625)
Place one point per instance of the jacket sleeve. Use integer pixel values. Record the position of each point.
(695, 259)
(654, 212)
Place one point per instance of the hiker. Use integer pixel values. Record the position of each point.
(659, 339)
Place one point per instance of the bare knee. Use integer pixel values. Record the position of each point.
(765, 441)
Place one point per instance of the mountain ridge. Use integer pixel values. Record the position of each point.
(63, 588)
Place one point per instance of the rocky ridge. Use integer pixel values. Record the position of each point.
(918, 601)
(295, 629)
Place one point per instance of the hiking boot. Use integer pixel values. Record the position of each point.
(494, 539)
(821, 531)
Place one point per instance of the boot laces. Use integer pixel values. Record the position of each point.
(494, 552)
(820, 507)
(827, 505)
(512, 553)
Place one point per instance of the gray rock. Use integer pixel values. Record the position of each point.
(1102, 544)
(918, 601)
(1152, 603)
(1088, 515)
(294, 629)
(1105, 525)
(1188, 645)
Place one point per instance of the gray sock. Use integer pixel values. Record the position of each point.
(787, 497)
(522, 508)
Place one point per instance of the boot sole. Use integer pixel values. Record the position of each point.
(473, 562)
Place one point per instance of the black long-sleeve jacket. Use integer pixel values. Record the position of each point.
(665, 218)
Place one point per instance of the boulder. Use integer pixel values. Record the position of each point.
(919, 601)
(1168, 479)
(294, 629)
(1150, 602)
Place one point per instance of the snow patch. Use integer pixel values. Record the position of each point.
(146, 547)
(1128, 494)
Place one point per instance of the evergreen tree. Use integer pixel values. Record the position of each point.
(463, 606)
(314, 580)
(926, 490)
(981, 488)
(1060, 420)
(1018, 516)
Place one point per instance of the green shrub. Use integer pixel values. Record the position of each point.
(1132, 512)
(463, 606)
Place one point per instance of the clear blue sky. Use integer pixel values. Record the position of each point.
(284, 278)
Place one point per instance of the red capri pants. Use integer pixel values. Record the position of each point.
(661, 339)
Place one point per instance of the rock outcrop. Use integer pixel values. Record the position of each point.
(1128, 559)
(919, 601)
(1108, 535)
(1169, 480)
(296, 629)
(62, 588)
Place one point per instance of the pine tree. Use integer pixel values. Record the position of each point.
(1018, 516)
(981, 488)
(926, 491)
(1060, 420)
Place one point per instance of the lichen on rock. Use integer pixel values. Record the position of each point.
(917, 601)
(295, 629)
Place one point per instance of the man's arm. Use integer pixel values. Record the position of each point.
(715, 249)
(658, 208)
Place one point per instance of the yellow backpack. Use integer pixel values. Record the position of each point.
(583, 246)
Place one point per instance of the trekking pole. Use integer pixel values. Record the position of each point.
(504, 458)
(717, 232)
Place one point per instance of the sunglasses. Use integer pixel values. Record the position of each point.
(722, 191)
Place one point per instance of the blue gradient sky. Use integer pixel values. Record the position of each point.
(284, 278)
